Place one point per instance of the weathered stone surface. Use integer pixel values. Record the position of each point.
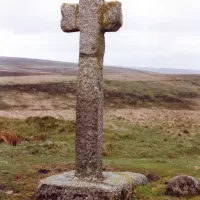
(93, 18)
(89, 120)
(182, 186)
(67, 187)
(112, 17)
(69, 22)
(139, 179)
(89, 109)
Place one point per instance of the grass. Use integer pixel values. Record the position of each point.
(47, 147)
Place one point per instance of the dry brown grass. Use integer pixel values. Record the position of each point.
(175, 121)
(12, 80)
(9, 138)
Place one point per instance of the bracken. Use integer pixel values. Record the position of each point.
(9, 138)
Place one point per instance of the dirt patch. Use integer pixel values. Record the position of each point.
(152, 178)
(55, 168)
(43, 171)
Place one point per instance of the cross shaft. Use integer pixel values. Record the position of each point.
(92, 18)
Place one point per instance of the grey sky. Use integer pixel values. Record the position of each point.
(156, 33)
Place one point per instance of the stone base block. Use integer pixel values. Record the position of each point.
(114, 186)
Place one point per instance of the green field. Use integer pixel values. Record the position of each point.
(47, 147)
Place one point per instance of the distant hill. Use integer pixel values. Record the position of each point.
(171, 71)
(10, 66)
(25, 66)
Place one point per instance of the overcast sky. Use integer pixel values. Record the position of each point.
(156, 33)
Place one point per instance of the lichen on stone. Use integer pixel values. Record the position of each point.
(107, 14)
(99, 53)
(64, 5)
(76, 15)
(112, 3)
(101, 15)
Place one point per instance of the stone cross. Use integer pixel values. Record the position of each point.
(92, 18)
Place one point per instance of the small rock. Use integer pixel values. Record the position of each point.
(196, 167)
(182, 186)
(49, 143)
(9, 192)
(139, 179)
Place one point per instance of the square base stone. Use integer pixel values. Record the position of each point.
(114, 186)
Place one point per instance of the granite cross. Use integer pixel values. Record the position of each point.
(92, 18)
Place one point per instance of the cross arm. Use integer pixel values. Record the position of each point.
(112, 16)
(70, 14)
